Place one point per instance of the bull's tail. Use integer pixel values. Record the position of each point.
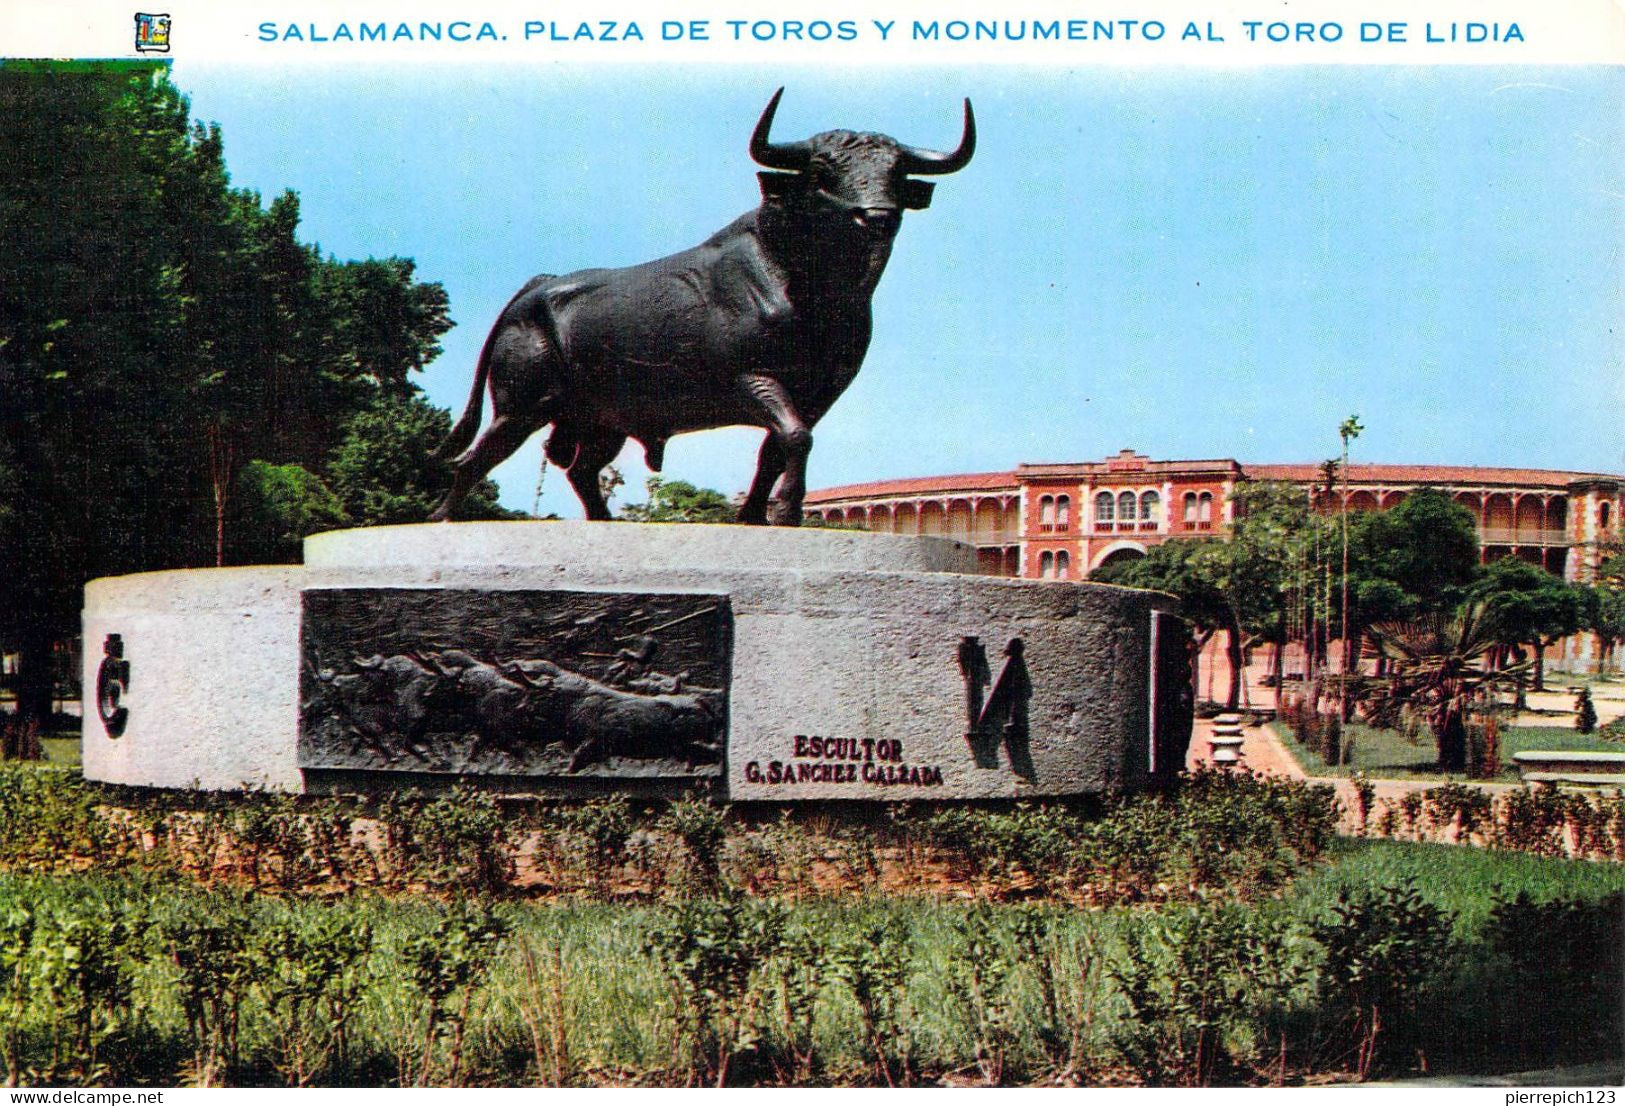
(462, 434)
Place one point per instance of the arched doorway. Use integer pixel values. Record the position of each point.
(1118, 553)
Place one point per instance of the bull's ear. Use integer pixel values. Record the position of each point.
(777, 186)
(917, 194)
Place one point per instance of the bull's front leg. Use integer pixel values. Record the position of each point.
(769, 467)
(792, 441)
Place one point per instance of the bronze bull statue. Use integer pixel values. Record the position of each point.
(765, 324)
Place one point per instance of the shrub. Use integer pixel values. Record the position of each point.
(775, 858)
(977, 984)
(702, 827)
(1567, 955)
(1409, 806)
(458, 840)
(210, 952)
(1457, 805)
(957, 833)
(652, 860)
(708, 950)
(49, 820)
(542, 1006)
(874, 963)
(274, 838)
(1036, 844)
(19, 739)
(1484, 748)
(83, 962)
(1130, 847)
(854, 853)
(445, 967)
(310, 972)
(1064, 970)
(1599, 826)
(1585, 712)
(794, 979)
(596, 831)
(16, 986)
(1383, 948)
(1200, 984)
(1365, 795)
(1531, 819)
(1251, 833)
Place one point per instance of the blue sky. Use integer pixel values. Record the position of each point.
(1191, 263)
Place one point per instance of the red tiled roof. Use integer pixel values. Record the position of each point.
(917, 485)
(1456, 475)
(1425, 474)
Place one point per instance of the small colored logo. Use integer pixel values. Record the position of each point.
(151, 33)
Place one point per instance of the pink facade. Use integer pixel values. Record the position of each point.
(1061, 521)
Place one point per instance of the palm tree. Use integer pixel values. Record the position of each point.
(1350, 428)
(1437, 665)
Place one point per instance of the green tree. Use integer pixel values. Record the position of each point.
(1348, 430)
(385, 325)
(680, 501)
(1416, 558)
(93, 363)
(1605, 611)
(384, 471)
(1526, 605)
(1421, 555)
(160, 333)
(1237, 585)
(1270, 537)
(278, 506)
(1196, 570)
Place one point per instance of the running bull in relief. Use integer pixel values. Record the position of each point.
(765, 323)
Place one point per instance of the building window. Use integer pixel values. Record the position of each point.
(1190, 508)
(1046, 565)
(1150, 508)
(1046, 513)
(1063, 512)
(1103, 508)
(1204, 508)
(1063, 565)
(1125, 507)
(1604, 515)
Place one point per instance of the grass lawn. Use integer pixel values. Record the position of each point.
(1466, 882)
(61, 750)
(618, 1014)
(1385, 754)
(1607, 681)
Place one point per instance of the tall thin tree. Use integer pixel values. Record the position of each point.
(1349, 429)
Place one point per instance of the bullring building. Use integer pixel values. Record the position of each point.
(1062, 521)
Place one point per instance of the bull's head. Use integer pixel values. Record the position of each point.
(852, 188)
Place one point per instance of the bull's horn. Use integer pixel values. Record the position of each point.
(916, 160)
(777, 155)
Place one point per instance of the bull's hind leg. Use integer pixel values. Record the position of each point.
(597, 448)
(505, 435)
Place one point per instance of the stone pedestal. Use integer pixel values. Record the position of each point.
(575, 657)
